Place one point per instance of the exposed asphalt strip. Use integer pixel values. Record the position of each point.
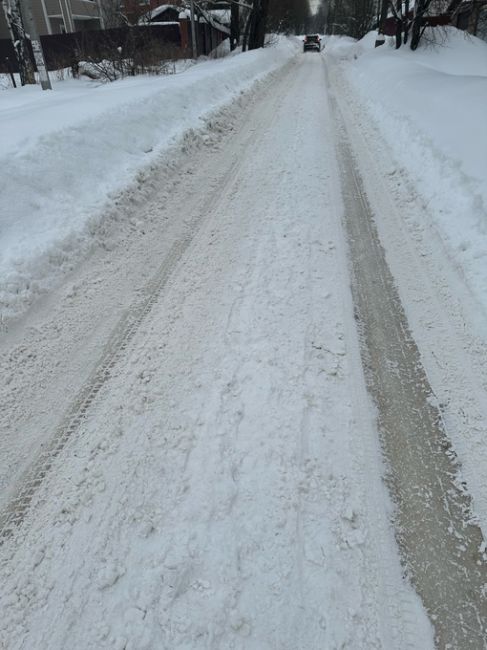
(442, 548)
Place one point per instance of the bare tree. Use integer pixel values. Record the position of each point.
(234, 25)
(257, 24)
(20, 39)
(351, 17)
(289, 16)
(413, 19)
(318, 21)
(381, 37)
(112, 14)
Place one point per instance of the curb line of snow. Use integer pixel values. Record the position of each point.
(63, 195)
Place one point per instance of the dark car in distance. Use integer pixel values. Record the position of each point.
(312, 42)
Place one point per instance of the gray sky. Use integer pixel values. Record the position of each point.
(314, 5)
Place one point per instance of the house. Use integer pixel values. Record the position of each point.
(161, 14)
(67, 34)
(219, 16)
(212, 25)
(60, 17)
(135, 9)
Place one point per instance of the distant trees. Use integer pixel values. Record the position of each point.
(289, 16)
(350, 17)
(278, 16)
(112, 14)
(258, 24)
(318, 21)
(406, 20)
(411, 19)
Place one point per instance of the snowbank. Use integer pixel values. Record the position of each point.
(430, 105)
(66, 154)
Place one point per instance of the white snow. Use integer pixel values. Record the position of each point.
(430, 107)
(66, 154)
(417, 120)
(156, 12)
(223, 488)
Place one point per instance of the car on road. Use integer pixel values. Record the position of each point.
(312, 42)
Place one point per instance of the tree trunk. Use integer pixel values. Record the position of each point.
(258, 24)
(20, 40)
(406, 22)
(473, 20)
(399, 24)
(262, 23)
(234, 26)
(248, 26)
(420, 9)
(380, 40)
(416, 32)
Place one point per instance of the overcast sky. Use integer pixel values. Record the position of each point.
(314, 5)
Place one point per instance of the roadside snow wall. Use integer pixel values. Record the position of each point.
(430, 105)
(66, 155)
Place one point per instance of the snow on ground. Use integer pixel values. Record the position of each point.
(417, 125)
(224, 488)
(66, 153)
(430, 106)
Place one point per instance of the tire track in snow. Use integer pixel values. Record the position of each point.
(15, 512)
(442, 547)
(403, 622)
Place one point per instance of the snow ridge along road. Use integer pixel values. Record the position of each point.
(52, 354)
(114, 350)
(223, 489)
(119, 340)
(442, 545)
(56, 191)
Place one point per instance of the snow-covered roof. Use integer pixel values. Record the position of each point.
(164, 22)
(150, 15)
(221, 15)
(217, 18)
(210, 18)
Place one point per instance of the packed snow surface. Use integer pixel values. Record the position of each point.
(214, 477)
(221, 486)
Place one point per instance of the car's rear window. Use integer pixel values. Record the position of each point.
(312, 38)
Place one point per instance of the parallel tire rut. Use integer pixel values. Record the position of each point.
(440, 543)
(15, 512)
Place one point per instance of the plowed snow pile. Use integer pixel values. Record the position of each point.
(430, 106)
(65, 154)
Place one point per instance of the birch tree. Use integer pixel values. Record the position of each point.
(20, 40)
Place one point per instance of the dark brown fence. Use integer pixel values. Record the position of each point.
(64, 50)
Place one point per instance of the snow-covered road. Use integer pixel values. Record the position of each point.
(433, 519)
(192, 459)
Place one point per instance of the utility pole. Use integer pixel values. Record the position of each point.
(193, 31)
(30, 28)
